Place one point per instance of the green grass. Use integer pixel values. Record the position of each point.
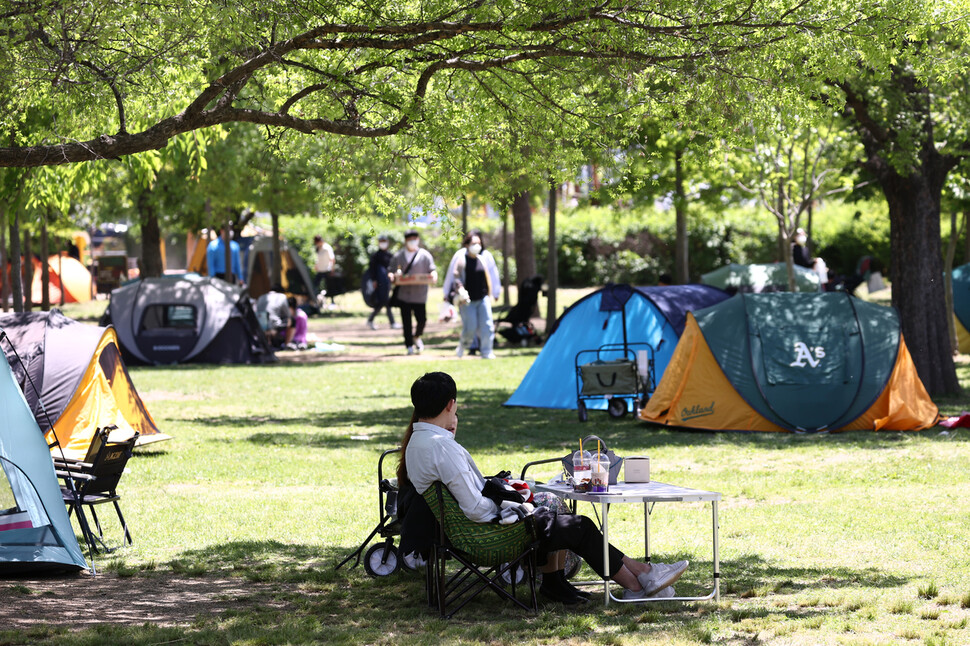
(853, 538)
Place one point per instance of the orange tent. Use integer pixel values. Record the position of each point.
(67, 274)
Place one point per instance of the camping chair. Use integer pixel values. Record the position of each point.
(94, 481)
(483, 551)
(519, 327)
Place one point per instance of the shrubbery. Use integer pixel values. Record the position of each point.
(597, 245)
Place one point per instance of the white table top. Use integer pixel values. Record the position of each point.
(633, 492)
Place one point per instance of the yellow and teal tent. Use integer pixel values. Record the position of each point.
(792, 362)
(961, 306)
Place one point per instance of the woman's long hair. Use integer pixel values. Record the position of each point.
(402, 467)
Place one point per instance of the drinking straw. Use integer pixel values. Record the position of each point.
(597, 451)
(580, 446)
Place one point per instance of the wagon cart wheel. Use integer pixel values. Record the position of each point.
(413, 561)
(381, 560)
(617, 407)
(581, 411)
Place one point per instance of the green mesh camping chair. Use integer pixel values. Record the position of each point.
(488, 555)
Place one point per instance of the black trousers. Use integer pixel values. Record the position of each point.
(576, 533)
(420, 314)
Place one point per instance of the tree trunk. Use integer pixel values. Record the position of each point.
(45, 271)
(227, 247)
(917, 272)
(951, 248)
(681, 265)
(28, 271)
(277, 258)
(525, 253)
(505, 255)
(552, 270)
(16, 266)
(5, 277)
(464, 214)
(151, 239)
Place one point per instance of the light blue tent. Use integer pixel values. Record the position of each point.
(615, 314)
(35, 531)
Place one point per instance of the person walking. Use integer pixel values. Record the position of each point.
(473, 276)
(412, 298)
(323, 265)
(377, 284)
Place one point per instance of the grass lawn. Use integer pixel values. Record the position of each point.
(853, 538)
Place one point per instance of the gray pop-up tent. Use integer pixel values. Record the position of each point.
(35, 530)
(186, 318)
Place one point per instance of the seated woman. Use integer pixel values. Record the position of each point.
(430, 453)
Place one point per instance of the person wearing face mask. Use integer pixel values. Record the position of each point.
(473, 270)
(801, 257)
(413, 297)
(799, 252)
(377, 282)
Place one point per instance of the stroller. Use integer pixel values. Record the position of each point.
(518, 319)
(383, 559)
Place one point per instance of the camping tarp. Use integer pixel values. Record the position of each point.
(796, 362)
(186, 318)
(756, 279)
(35, 530)
(961, 305)
(612, 315)
(74, 380)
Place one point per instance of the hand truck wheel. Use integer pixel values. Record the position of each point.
(381, 560)
(581, 411)
(617, 407)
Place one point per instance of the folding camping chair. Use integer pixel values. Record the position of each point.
(94, 481)
(483, 552)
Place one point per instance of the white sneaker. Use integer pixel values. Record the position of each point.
(396, 326)
(411, 350)
(660, 576)
(372, 325)
(488, 356)
(664, 593)
(419, 345)
(460, 351)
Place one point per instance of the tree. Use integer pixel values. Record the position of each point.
(791, 165)
(912, 123)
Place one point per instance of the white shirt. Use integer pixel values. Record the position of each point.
(325, 259)
(433, 454)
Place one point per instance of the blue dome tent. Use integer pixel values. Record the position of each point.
(615, 314)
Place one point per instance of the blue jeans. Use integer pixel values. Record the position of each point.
(476, 319)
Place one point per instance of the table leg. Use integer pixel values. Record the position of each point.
(646, 532)
(717, 564)
(606, 554)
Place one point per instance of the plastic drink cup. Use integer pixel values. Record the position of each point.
(600, 476)
(582, 470)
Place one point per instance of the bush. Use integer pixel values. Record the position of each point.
(597, 245)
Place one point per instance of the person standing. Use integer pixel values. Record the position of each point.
(413, 298)
(215, 258)
(324, 263)
(473, 270)
(377, 269)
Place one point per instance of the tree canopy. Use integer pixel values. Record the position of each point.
(459, 79)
